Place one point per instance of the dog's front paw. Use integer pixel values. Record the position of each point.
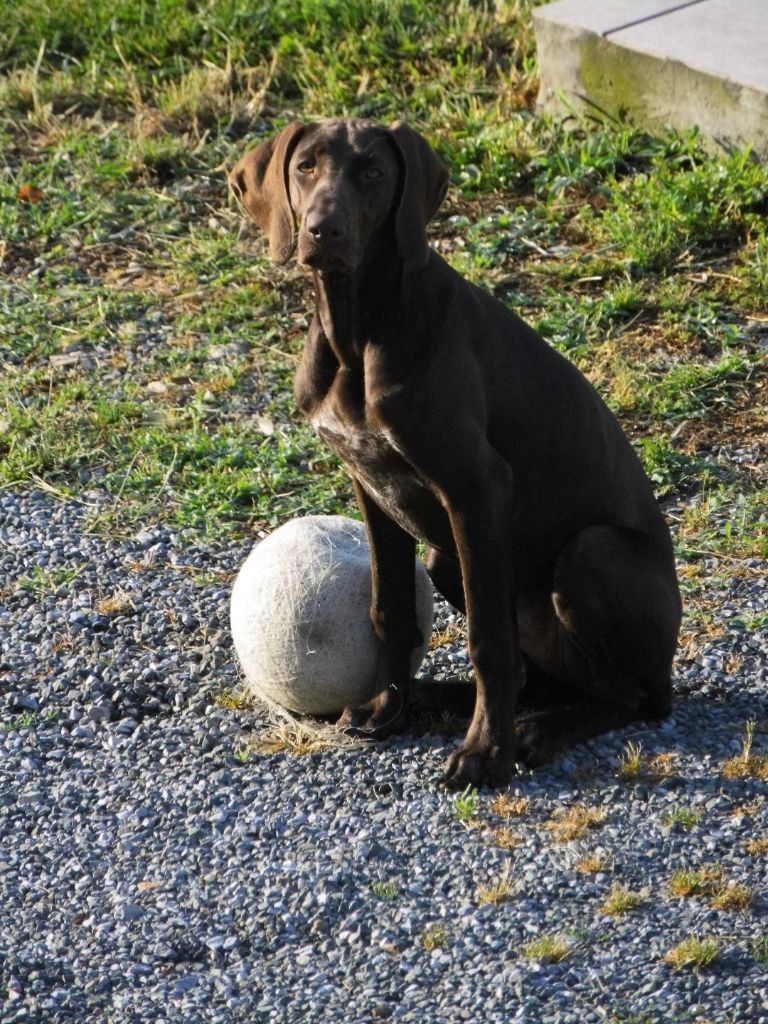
(478, 764)
(376, 718)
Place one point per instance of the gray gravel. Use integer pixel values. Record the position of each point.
(147, 874)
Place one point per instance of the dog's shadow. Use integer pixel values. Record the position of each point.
(702, 732)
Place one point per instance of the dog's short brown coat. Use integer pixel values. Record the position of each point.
(461, 428)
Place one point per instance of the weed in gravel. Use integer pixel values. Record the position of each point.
(747, 765)
(759, 950)
(23, 721)
(592, 864)
(465, 807)
(434, 937)
(118, 603)
(233, 700)
(636, 766)
(757, 847)
(547, 948)
(693, 953)
(709, 882)
(749, 809)
(384, 890)
(696, 882)
(498, 891)
(637, 1018)
(242, 753)
(574, 822)
(632, 762)
(620, 900)
(733, 896)
(685, 817)
(47, 581)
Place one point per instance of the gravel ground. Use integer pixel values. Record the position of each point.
(148, 874)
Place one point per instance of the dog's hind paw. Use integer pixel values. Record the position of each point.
(535, 747)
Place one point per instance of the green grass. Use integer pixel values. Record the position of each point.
(551, 949)
(148, 352)
(26, 720)
(685, 817)
(620, 900)
(43, 581)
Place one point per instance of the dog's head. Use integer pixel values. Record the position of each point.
(327, 188)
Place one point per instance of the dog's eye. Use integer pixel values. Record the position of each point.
(306, 166)
(373, 173)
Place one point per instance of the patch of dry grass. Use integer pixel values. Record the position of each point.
(708, 882)
(747, 765)
(119, 603)
(636, 766)
(297, 738)
(449, 635)
(505, 838)
(498, 891)
(592, 864)
(507, 806)
(574, 822)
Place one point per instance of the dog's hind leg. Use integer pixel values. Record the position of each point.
(604, 657)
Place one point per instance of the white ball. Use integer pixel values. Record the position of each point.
(300, 617)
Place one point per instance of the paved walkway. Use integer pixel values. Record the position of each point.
(660, 62)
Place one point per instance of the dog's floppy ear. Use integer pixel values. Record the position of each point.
(425, 182)
(259, 181)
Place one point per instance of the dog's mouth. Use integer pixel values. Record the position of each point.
(326, 254)
(319, 259)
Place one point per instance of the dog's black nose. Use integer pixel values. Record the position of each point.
(326, 227)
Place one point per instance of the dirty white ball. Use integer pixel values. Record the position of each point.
(300, 617)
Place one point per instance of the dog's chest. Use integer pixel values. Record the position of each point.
(372, 455)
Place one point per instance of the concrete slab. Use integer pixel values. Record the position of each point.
(608, 16)
(660, 63)
(728, 38)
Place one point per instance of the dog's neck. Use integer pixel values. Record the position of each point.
(354, 307)
(337, 299)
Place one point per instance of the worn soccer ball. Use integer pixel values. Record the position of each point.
(300, 617)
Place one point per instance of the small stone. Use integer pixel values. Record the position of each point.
(132, 912)
(185, 983)
(29, 799)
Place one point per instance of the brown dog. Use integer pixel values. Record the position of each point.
(463, 429)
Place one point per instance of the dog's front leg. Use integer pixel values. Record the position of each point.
(481, 520)
(393, 614)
